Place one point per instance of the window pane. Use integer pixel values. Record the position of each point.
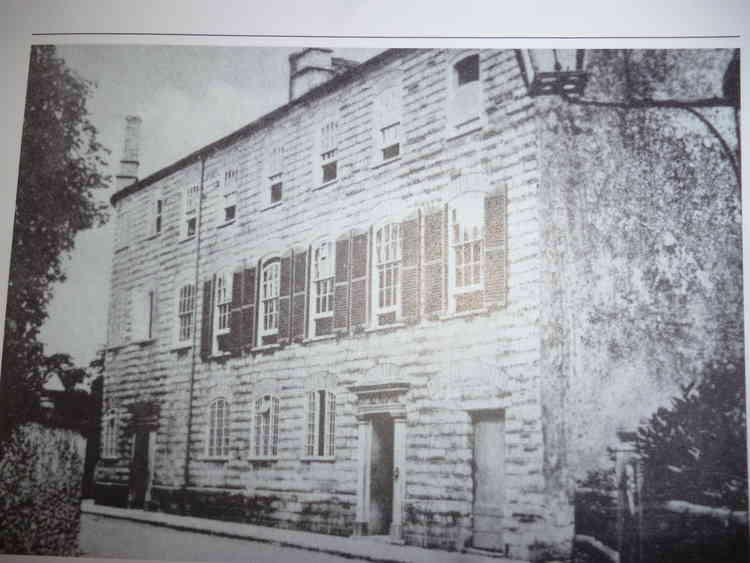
(467, 70)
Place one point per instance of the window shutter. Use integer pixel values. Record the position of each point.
(207, 318)
(249, 307)
(341, 290)
(434, 261)
(410, 244)
(299, 296)
(236, 338)
(285, 297)
(495, 205)
(359, 283)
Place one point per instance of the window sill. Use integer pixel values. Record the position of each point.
(319, 338)
(144, 341)
(186, 239)
(263, 458)
(109, 459)
(116, 347)
(271, 206)
(265, 348)
(464, 314)
(383, 328)
(226, 224)
(181, 346)
(220, 459)
(384, 163)
(220, 355)
(323, 458)
(323, 186)
(458, 133)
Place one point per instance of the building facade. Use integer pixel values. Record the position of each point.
(345, 317)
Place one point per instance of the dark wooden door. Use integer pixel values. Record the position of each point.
(139, 470)
(381, 477)
(489, 480)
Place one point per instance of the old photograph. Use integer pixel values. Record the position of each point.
(386, 304)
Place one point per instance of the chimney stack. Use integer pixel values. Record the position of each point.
(129, 162)
(312, 67)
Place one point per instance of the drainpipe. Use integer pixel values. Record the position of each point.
(194, 359)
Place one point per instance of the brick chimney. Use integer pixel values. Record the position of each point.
(312, 67)
(129, 162)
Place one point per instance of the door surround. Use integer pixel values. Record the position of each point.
(378, 399)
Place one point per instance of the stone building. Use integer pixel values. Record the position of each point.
(360, 314)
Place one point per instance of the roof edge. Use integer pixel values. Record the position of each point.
(263, 121)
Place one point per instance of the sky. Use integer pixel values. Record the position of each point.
(187, 97)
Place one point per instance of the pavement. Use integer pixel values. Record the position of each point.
(366, 548)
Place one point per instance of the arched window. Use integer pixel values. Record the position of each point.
(269, 298)
(217, 444)
(321, 302)
(266, 427)
(110, 434)
(465, 94)
(386, 295)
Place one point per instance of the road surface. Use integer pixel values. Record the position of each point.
(110, 537)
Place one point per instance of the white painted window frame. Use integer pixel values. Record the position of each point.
(222, 307)
(468, 235)
(218, 441)
(269, 298)
(314, 400)
(394, 262)
(185, 308)
(265, 428)
(317, 278)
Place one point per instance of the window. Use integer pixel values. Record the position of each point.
(217, 444)
(190, 211)
(388, 123)
(270, 298)
(386, 283)
(185, 313)
(321, 301)
(320, 429)
(466, 219)
(465, 94)
(229, 194)
(223, 304)
(328, 146)
(266, 431)
(275, 173)
(125, 230)
(143, 304)
(156, 219)
(109, 434)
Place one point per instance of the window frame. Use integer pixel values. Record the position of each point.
(190, 202)
(229, 188)
(315, 445)
(395, 288)
(143, 307)
(470, 198)
(110, 434)
(327, 149)
(315, 280)
(272, 264)
(274, 175)
(188, 314)
(388, 116)
(212, 450)
(265, 428)
(462, 119)
(222, 304)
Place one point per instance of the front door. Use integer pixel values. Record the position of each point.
(139, 469)
(489, 478)
(381, 477)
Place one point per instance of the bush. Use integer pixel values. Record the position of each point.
(40, 491)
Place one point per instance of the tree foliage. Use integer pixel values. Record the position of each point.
(695, 450)
(61, 168)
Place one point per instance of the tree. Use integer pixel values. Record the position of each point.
(695, 450)
(61, 169)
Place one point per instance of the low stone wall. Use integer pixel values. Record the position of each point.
(41, 471)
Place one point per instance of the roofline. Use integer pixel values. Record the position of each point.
(263, 121)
